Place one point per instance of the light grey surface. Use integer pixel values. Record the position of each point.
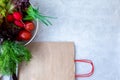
(94, 26)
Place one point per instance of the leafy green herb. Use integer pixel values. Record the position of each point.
(11, 54)
(33, 13)
(6, 6)
(10, 7)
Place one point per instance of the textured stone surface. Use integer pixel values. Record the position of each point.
(94, 27)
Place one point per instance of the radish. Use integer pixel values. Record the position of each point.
(24, 35)
(17, 16)
(10, 18)
(19, 23)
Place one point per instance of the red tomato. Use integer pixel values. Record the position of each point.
(29, 26)
(24, 35)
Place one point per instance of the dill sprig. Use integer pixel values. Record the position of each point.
(11, 54)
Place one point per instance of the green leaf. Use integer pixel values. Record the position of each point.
(11, 54)
(33, 13)
(10, 7)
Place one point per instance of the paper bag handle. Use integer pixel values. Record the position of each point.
(88, 74)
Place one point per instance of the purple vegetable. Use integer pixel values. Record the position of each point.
(21, 5)
(8, 31)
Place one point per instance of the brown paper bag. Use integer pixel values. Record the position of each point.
(50, 61)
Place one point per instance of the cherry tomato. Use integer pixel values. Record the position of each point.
(29, 26)
(24, 35)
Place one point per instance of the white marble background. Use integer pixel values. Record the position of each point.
(94, 27)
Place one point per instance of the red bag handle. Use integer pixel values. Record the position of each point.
(85, 61)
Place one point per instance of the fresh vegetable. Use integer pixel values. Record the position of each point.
(11, 54)
(10, 18)
(29, 26)
(3, 7)
(33, 14)
(19, 23)
(21, 5)
(24, 35)
(10, 7)
(17, 15)
(8, 31)
(2, 10)
(6, 6)
(16, 26)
